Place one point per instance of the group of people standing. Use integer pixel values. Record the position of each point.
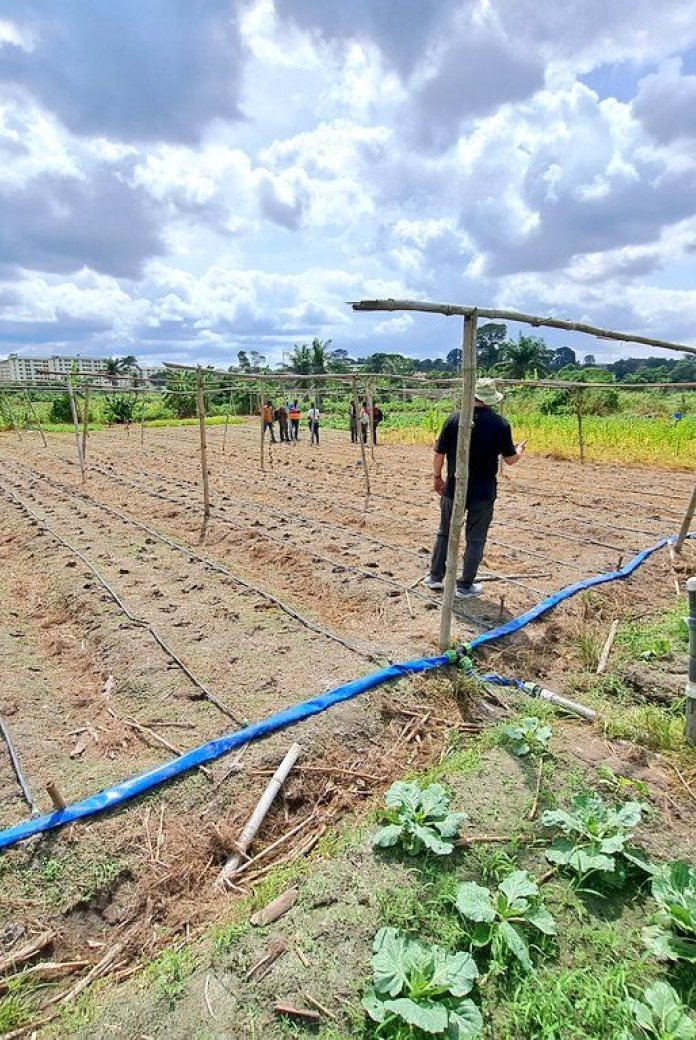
(360, 422)
(288, 418)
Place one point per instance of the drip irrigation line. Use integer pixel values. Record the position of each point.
(129, 789)
(14, 759)
(222, 569)
(140, 622)
(294, 516)
(528, 489)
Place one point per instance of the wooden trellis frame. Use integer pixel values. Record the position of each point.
(468, 376)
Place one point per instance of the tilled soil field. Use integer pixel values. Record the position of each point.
(131, 633)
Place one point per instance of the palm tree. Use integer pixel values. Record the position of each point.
(113, 370)
(529, 357)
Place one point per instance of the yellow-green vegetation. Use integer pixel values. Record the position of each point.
(661, 442)
(169, 973)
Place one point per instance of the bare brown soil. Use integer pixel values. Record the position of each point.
(77, 672)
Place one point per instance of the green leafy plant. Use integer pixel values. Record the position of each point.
(422, 988)
(418, 818)
(529, 736)
(596, 836)
(673, 936)
(502, 919)
(660, 1015)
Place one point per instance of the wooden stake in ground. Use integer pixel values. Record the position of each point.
(606, 649)
(581, 439)
(691, 680)
(55, 795)
(466, 417)
(200, 408)
(227, 421)
(35, 417)
(686, 523)
(76, 428)
(356, 406)
(371, 422)
(85, 426)
(257, 817)
(142, 417)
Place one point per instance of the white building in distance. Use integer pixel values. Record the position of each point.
(55, 370)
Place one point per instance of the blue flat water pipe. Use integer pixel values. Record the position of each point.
(127, 789)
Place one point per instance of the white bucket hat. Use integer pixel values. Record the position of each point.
(487, 392)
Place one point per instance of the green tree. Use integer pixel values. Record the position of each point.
(529, 358)
(490, 339)
(243, 361)
(301, 360)
(562, 357)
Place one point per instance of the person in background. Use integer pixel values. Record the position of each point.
(353, 424)
(377, 416)
(364, 421)
(282, 415)
(295, 416)
(267, 419)
(491, 437)
(313, 417)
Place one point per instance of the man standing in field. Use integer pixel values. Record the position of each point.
(313, 417)
(295, 416)
(491, 437)
(267, 419)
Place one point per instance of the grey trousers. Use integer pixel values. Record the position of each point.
(479, 515)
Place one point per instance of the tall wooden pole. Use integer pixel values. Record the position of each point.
(686, 522)
(200, 408)
(356, 405)
(690, 708)
(76, 428)
(263, 427)
(35, 417)
(466, 417)
(142, 416)
(227, 420)
(371, 421)
(581, 438)
(85, 427)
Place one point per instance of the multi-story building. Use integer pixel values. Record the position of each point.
(18, 369)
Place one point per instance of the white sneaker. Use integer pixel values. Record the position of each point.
(432, 583)
(465, 591)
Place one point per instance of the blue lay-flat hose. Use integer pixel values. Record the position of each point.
(128, 789)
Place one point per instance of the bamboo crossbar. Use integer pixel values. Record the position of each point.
(450, 309)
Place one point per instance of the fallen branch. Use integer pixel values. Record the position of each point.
(258, 816)
(45, 971)
(11, 961)
(275, 909)
(273, 846)
(320, 1007)
(294, 1012)
(263, 965)
(482, 839)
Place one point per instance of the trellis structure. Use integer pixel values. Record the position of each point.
(468, 379)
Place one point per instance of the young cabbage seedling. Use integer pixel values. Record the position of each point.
(673, 935)
(418, 987)
(529, 736)
(595, 837)
(419, 818)
(504, 919)
(660, 1015)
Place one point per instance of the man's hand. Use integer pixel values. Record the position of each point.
(438, 485)
(520, 447)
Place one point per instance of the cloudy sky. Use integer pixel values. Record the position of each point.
(184, 178)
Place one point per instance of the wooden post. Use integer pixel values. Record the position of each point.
(227, 419)
(371, 422)
(76, 428)
(581, 439)
(85, 427)
(56, 795)
(686, 523)
(691, 679)
(466, 417)
(142, 417)
(37, 421)
(263, 428)
(200, 408)
(356, 405)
